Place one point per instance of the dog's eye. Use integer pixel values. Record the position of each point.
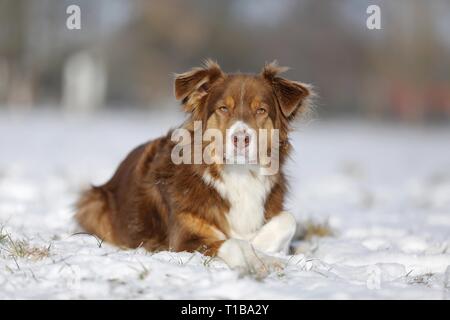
(261, 111)
(223, 109)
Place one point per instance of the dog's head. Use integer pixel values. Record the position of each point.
(240, 105)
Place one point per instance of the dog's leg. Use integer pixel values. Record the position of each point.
(241, 255)
(276, 235)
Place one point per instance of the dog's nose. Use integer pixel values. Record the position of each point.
(241, 140)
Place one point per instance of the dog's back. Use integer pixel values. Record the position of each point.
(121, 211)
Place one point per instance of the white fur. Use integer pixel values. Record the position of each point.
(246, 191)
(276, 235)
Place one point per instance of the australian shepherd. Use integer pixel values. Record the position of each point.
(168, 195)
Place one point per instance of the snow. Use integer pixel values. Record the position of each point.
(384, 189)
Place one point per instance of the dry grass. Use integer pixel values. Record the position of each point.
(143, 273)
(421, 279)
(310, 229)
(21, 248)
(3, 236)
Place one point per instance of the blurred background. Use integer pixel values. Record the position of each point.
(126, 52)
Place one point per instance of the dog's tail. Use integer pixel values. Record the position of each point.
(94, 214)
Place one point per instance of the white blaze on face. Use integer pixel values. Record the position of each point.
(241, 144)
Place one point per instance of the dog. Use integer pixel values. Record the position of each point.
(233, 211)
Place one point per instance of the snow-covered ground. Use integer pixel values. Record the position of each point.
(384, 190)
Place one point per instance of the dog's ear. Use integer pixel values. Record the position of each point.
(192, 86)
(292, 96)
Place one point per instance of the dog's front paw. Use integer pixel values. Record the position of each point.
(240, 255)
(263, 265)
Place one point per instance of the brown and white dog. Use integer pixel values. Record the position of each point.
(232, 211)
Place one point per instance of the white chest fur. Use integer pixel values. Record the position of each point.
(246, 191)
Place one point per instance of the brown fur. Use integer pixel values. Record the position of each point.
(152, 202)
